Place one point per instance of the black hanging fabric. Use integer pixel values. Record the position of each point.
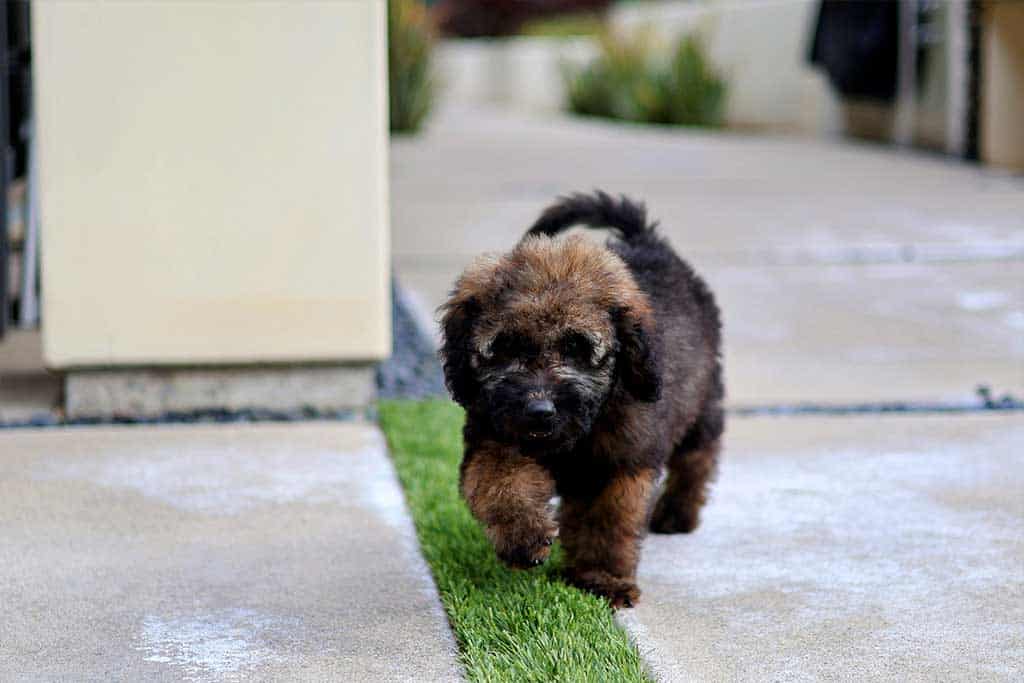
(857, 44)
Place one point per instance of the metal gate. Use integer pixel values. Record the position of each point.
(18, 224)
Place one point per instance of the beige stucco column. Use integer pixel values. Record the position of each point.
(213, 197)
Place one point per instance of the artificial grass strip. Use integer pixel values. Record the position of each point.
(510, 625)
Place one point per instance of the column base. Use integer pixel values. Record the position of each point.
(151, 392)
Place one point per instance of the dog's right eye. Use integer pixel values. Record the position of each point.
(509, 346)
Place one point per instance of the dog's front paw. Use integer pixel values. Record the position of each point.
(619, 592)
(523, 543)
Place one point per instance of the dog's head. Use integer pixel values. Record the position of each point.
(537, 340)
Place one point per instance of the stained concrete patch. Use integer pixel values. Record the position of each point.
(984, 300)
(220, 644)
(222, 478)
(847, 549)
(209, 553)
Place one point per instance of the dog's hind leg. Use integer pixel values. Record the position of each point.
(691, 467)
(601, 535)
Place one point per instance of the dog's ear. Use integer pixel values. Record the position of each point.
(457, 348)
(638, 362)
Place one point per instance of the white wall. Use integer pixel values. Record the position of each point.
(521, 72)
(213, 181)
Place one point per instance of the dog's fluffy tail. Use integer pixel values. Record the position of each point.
(625, 217)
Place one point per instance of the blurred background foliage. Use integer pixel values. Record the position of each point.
(636, 79)
(573, 25)
(412, 87)
(635, 76)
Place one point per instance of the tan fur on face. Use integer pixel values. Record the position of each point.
(545, 288)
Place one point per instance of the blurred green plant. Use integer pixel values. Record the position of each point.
(634, 80)
(565, 26)
(411, 84)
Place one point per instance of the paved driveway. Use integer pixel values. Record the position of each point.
(835, 548)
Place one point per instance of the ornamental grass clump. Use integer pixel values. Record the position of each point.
(411, 85)
(634, 80)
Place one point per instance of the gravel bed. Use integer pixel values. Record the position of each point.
(414, 369)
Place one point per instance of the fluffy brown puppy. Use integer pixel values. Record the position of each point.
(584, 370)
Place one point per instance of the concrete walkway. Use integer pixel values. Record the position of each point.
(847, 272)
(848, 549)
(861, 548)
(212, 553)
(835, 548)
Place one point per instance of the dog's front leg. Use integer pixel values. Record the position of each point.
(510, 495)
(601, 535)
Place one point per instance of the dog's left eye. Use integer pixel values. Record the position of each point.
(577, 347)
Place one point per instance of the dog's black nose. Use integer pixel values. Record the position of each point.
(540, 410)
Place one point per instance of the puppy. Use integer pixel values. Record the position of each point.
(585, 370)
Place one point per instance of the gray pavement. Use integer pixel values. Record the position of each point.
(213, 553)
(847, 549)
(847, 272)
(835, 548)
(875, 332)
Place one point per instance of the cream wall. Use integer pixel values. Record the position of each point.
(213, 181)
